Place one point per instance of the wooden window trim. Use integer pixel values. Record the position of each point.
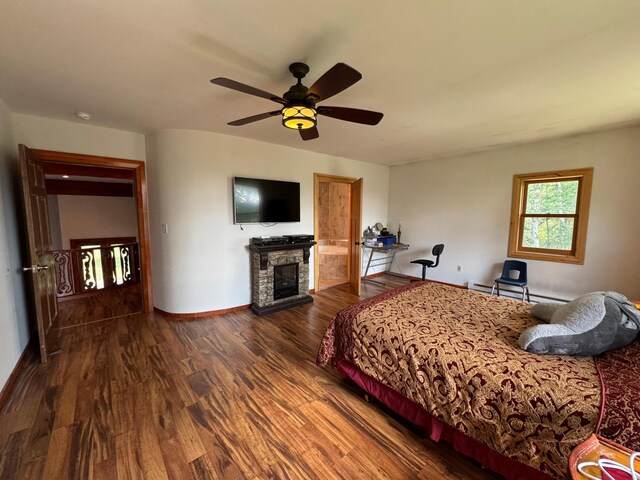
(581, 216)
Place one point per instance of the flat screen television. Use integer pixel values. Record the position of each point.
(265, 201)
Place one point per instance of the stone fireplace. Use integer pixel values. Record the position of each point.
(280, 276)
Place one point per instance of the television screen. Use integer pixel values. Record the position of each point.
(265, 201)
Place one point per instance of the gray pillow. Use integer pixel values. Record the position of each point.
(589, 325)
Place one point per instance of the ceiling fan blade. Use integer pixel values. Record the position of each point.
(309, 133)
(338, 78)
(241, 87)
(254, 118)
(366, 117)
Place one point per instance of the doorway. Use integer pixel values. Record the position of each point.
(108, 167)
(120, 262)
(337, 225)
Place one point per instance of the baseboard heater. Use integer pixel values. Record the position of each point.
(515, 294)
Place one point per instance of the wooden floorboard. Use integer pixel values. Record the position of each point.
(231, 396)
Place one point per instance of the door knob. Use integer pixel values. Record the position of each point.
(35, 268)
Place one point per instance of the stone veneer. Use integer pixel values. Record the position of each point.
(263, 259)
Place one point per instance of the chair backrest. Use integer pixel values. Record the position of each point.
(437, 251)
(520, 267)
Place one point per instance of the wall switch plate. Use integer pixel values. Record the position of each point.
(165, 228)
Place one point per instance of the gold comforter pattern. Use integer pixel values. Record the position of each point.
(455, 353)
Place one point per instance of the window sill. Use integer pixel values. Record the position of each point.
(547, 257)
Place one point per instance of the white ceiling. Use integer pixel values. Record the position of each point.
(451, 76)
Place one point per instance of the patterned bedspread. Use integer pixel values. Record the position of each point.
(455, 353)
(620, 371)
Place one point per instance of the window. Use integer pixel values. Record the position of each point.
(549, 215)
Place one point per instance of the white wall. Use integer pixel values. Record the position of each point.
(73, 137)
(88, 216)
(14, 324)
(203, 264)
(464, 202)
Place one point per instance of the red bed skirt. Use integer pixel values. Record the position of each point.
(439, 430)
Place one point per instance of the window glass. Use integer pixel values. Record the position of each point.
(551, 233)
(552, 197)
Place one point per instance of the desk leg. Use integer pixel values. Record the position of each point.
(366, 272)
(393, 257)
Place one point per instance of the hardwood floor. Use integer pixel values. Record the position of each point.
(233, 396)
(100, 305)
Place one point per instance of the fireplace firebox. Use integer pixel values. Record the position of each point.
(285, 281)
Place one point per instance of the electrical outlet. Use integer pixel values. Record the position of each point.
(459, 268)
(165, 228)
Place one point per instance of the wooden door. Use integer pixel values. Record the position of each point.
(354, 212)
(355, 235)
(41, 269)
(332, 234)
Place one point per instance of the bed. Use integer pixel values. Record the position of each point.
(447, 359)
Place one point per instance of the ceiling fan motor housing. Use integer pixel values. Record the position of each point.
(296, 94)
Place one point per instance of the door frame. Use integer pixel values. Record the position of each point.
(353, 236)
(138, 169)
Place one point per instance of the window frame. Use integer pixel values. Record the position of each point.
(581, 216)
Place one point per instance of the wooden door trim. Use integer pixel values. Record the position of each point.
(325, 177)
(334, 178)
(355, 229)
(138, 168)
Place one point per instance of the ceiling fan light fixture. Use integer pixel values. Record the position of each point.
(299, 117)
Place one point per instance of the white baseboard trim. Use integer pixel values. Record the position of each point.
(515, 294)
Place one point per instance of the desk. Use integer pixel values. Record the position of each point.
(389, 253)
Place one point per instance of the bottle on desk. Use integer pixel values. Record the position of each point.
(399, 233)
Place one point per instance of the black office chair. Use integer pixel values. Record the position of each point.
(437, 251)
(506, 279)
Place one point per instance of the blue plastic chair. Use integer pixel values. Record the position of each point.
(508, 279)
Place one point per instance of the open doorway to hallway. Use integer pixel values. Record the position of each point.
(93, 218)
(100, 230)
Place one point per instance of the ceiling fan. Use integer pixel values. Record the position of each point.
(299, 110)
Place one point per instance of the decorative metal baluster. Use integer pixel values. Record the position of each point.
(88, 270)
(108, 267)
(125, 255)
(64, 273)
